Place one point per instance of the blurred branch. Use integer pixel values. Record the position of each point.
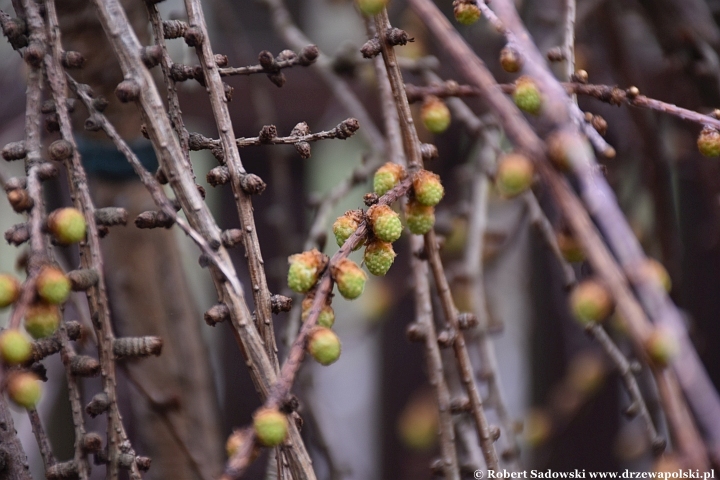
(523, 136)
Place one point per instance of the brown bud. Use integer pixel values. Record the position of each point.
(98, 405)
(252, 184)
(62, 470)
(428, 151)
(20, 200)
(143, 463)
(111, 216)
(137, 347)
(280, 303)
(396, 36)
(14, 151)
(217, 314)
(267, 62)
(599, 124)
(308, 55)
(60, 150)
(151, 55)
(72, 59)
(91, 442)
(174, 28)
(154, 219)
(267, 133)
(100, 103)
(193, 36)
(556, 54)
(34, 54)
(218, 176)
(460, 405)
(46, 171)
(347, 128)
(82, 279)
(231, 237)
(303, 149)
(52, 123)
(581, 76)
(371, 48)
(370, 199)
(467, 320)
(93, 123)
(17, 234)
(446, 338)
(510, 59)
(84, 366)
(161, 177)
(416, 332)
(221, 60)
(277, 78)
(128, 91)
(228, 90)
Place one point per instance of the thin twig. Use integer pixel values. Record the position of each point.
(343, 130)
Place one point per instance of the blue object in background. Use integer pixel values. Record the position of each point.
(102, 159)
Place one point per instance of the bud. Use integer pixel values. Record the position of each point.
(9, 290)
(709, 142)
(527, 96)
(386, 177)
(270, 426)
(304, 270)
(349, 277)
(324, 345)
(419, 218)
(514, 174)
(67, 225)
(435, 115)
(52, 285)
(15, 348)
(570, 248)
(384, 222)
(510, 60)
(346, 225)
(466, 13)
(41, 320)
(326, 318)
(428, 189)
(24, 388)
(657, 272)
(379, 257)
(371, 7)
(662, 347)
(590, 302)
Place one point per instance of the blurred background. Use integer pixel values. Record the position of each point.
(372, 414)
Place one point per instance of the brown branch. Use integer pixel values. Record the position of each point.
(41, 438)
(16, 463)
(424, 318)
(411, 146)
(91, 256)
(173, 102)
(342, 131)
